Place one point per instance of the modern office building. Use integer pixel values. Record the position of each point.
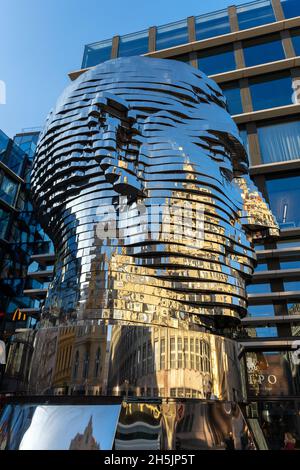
(253, 52)
(20, 234)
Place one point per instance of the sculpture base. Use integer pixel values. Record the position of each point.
(94, 423)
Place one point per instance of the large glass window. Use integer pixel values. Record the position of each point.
(213, 24)
(255, 14)
(8, 189)
(266, 310)
(263, 332)
(262, 50)
(96, 53)
(296, 40)
(279, 141)
(259, 288)
(171, 35)
(232, 93)
(290, 264)
(271, 91)
(290, 8)
(284, 196)
(133, 44)
(216, 60)
(291, 285)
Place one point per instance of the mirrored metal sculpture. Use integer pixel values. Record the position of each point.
(141, 180)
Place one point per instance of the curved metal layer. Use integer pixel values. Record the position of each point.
(133, 136)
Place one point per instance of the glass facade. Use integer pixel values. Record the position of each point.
(290, 8)
(284, 196)
(255, 14)
(279, 141)
(214, 24)
(263, 50)
(232, 93)
(217, 60)
(271, 91)
(133, 44)
(171, 35)
(96, 53)
(266, 310)
(20, 234)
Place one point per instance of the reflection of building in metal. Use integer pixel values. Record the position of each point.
(63, 364)
(172, 363)
(88, 360)
(147, 134)
(85, 441)
(181, 425)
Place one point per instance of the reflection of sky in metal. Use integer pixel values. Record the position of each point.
(54, 427)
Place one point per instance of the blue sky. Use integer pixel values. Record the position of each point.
(42, 40)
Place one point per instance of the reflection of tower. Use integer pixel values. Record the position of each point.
(62, 370)
(85, 441)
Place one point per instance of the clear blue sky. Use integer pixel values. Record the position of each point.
(42, 40)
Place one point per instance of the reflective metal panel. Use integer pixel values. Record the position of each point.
(182, 426)
(58, 427)
(141, 180)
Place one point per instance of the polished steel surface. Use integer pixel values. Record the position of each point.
(165, 425)
(141, 180)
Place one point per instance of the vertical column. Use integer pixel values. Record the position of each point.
(152, 39)
(239, 55)
(279, 15)
(253, 141)
(233, 20)
(115, 47)
(246, 96)
(191, 28)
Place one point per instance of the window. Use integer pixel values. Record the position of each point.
(266, 310)
(262, 50)
(255, 14)
(179, 353)
(288, 243)
(96, 53)
(290, 8)
(291, 285)
(295, 34)
(172, 353)
(214, 24)
(76, 365)
(133, 44)
(244, 137)
(216, 60)
(271, 91)
(232, 93)
(8, 189)
(171, 35)
(291, 264)
(279, 141)
(259, 288)
(261, 267)
(284, 197)
(4, 220)
(162, 354)
(263, 332)
(85, 370)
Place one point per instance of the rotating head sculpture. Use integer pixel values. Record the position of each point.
(141, 180)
